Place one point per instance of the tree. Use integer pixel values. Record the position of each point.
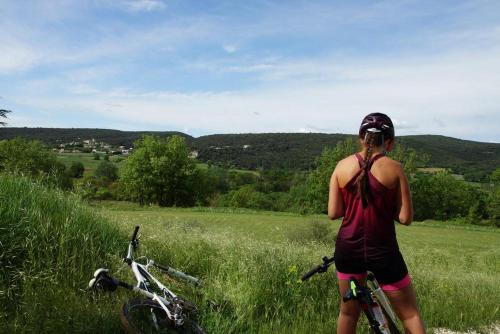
(160, 170)
(409, 158)
(31, 157)
(494, 198)
(495, 177)
(107, 171)
(316, 197)
(3, 114)
(76, 169)
(441, 196)
(319, 181)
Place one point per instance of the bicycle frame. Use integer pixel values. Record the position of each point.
(145, 279)
(368, 297)
(176, 308)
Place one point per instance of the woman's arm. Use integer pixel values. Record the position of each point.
(404, 213)
(335, 200)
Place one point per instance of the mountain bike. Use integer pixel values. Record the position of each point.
(160, 310)
(373, 301)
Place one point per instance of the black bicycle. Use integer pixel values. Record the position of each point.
(373, 301)
(161, 311)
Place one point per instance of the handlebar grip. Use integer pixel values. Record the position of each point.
(310, 273)
(134, 235)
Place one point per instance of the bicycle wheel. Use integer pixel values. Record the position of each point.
(147, 316)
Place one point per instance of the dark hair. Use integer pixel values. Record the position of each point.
(374, 130)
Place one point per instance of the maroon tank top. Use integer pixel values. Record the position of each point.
(368, 233)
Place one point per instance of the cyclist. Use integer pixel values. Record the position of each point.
(370, 191)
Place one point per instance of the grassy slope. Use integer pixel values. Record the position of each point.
(50, 246)
(250, 262)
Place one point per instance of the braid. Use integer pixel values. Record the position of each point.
(362, 179)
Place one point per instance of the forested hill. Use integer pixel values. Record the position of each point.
(283, 150)
(56, 136)
(298, 150)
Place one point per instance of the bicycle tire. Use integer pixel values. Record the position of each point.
(135, 317)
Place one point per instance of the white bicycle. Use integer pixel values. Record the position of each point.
(160, 310)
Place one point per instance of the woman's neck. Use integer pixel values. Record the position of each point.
(375, 151)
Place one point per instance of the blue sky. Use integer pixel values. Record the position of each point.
(206, 67)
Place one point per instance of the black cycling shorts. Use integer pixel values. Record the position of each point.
(391, 271)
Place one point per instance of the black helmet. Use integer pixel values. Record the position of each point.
(377, 122)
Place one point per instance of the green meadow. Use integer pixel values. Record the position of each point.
(88, 160)
(249, 261)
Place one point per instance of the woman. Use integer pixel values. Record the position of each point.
(370, 191)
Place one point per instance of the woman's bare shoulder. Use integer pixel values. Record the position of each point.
(391, 164)
(347, 162)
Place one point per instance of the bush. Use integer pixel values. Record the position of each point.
(76, 169)
(247, 197)
(107, 171)
(441, 196)
(32, 158)
(494, 206)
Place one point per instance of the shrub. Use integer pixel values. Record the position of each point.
(107, 171)
(76, 169)
(32, 158)
(441, 196)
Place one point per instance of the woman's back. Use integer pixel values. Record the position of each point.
(384, 169)
(367, 232)
(370, 194)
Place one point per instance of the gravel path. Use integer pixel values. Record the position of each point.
(494, 329)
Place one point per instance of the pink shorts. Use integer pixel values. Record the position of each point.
(386, 287)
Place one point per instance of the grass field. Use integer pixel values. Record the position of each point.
(250, 262)
(88, 160)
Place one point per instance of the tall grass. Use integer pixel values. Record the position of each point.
(251, 283)
(250, 264)
(50, 245)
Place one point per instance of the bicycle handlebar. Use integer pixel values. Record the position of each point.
(327, 262)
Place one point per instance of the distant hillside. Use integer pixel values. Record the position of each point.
(56, 136)
(266, 150)
(284, 150)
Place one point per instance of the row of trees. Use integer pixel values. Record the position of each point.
(161, 171)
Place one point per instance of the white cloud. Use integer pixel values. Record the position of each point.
(230, 48)
(16, 57)
(144, 5)
(421, 94)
